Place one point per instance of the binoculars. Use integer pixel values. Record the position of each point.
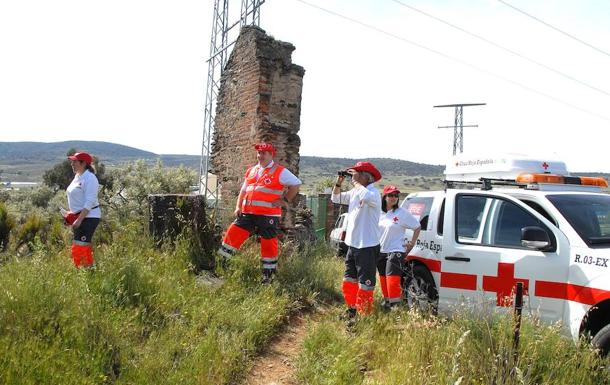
(343, 173)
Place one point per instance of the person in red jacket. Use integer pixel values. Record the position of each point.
(267, 188)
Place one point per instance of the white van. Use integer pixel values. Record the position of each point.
(482, 235)
(337, 235)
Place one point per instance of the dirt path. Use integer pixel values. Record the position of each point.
(276, 365)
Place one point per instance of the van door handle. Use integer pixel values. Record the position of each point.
(461, 259)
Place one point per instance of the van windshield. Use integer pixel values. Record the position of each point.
(589, 215)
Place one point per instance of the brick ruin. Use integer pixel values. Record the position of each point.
(259, 100)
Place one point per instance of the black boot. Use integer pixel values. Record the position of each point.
(268, 276)
(349, 317)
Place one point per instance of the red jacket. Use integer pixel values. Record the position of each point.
(260, 193)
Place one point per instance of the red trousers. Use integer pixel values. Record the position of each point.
(235, 238)
(82, 255)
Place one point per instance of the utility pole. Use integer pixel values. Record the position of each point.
(458, 126)
(219, 54)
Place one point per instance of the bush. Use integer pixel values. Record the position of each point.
(7, 223)
(41, 196)
(34, 226)
(128, 196)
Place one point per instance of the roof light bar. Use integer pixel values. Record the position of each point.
(560, 179)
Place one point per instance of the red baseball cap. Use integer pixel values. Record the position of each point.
(81, 156)
(367, 167)
(265, 147)
(389, 189)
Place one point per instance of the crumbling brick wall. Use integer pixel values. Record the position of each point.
(259, 100)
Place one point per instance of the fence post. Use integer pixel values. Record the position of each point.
(517, 314)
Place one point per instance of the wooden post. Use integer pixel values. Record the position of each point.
(172, 215)
(517, 314)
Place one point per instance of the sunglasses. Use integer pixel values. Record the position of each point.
(393, 195)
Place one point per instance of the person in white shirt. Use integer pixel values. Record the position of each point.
(362, 236)
(390, 264)
(267, 188)
(85, 213)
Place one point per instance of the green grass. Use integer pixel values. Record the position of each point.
(407, 348)
(142, 317)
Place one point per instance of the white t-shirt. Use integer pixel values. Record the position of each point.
(392, 226)
(287, 178)
(362, 215)
(82, 194)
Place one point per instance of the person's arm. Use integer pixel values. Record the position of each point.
(337, 196)
(240, 200)
(291, 193)
(370, 198)
(410, 222)
(411, 244)
(292, 183)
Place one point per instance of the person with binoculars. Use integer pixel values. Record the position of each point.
(362, 235)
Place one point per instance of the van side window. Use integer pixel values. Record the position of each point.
(540, 210)
(441, 219)
(470, 210)
(420, 208)
(340, 221)
(508, 220)
(491, 221)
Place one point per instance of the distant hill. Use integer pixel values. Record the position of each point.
(386, 165)
(26, 161)
(26, 152)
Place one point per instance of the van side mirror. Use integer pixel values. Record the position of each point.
(534, 237)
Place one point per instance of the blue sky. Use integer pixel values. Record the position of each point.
(133, 72)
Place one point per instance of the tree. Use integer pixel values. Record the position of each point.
(128, 195)
(7, 223)
(60, 176)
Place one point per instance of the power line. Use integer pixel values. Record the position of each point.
(457, 60)
(512, 52)
(555, 28)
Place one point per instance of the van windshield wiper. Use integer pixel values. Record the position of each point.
(599, 240)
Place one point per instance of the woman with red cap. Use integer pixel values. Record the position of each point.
(361, 236)
(85, 213)
(390, 264)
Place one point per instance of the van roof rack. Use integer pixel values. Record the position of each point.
(569, 183)
(484, 183)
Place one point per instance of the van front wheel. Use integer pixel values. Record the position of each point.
(419, 289)
(601, 340)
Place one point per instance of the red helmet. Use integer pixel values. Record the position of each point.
(367, 167)
(265, 147)
(81, 156)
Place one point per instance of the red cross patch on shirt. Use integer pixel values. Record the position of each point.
(395, 219)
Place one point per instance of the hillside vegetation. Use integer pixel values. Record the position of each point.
(37, 152)
(26, 161)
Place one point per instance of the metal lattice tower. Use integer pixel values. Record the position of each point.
(219, 54)
(458, 126)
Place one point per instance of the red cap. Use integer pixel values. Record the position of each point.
(265, 147)
(81, 156)
(389, 189)
(367, 167)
